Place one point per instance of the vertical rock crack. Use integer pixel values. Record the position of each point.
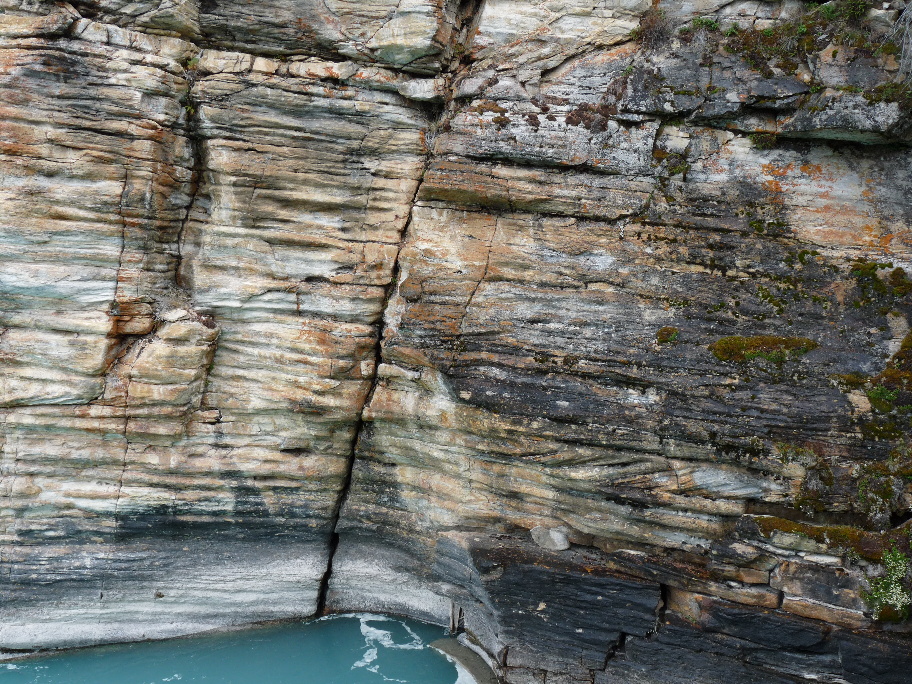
(361, 421)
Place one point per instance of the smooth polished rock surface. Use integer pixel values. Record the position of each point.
(156, 587)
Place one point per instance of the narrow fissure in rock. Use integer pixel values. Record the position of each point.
(467, 19)
(198, 167)
(333, 542)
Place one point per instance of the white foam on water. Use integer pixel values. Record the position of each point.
(373, 617)
(370, 655)
(375, 637)
(463, 676)
(29, 666)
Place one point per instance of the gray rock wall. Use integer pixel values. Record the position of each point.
(581, 327)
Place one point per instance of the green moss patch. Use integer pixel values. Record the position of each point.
(763, 141)
(667, 334)
(788, 44)
(890, 395)
(863, 543)
(793, 43)
(900, 93)
(881, 291)
(770, 347)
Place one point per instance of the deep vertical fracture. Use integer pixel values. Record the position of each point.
(467, 16)
(360, 423)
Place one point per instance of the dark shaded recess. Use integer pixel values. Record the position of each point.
(248, 500)
(86, 9)
(134, 528)
(750, 529)
(533, 395)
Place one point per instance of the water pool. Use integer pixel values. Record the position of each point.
(342, 649)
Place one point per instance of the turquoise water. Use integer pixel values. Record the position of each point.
(344, 649)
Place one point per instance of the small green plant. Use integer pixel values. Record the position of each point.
(706, 23)
(679, 303)
(667, 335)
(676, 164)
(853, 10)
(828, 12)
(890, 592)
(881, 393)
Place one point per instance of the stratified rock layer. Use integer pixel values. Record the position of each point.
(593, 344)
(198, 249)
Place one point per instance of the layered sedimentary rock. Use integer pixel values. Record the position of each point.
(197, 250)
(582, 327)
(594, 238)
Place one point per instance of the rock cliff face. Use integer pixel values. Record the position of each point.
(583, 326)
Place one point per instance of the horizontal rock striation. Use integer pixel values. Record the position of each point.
(197, 251)
(583, 328)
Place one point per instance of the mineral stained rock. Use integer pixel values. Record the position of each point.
(583, 327)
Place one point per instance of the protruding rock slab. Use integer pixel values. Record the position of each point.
(155, 587)
(416, 35)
